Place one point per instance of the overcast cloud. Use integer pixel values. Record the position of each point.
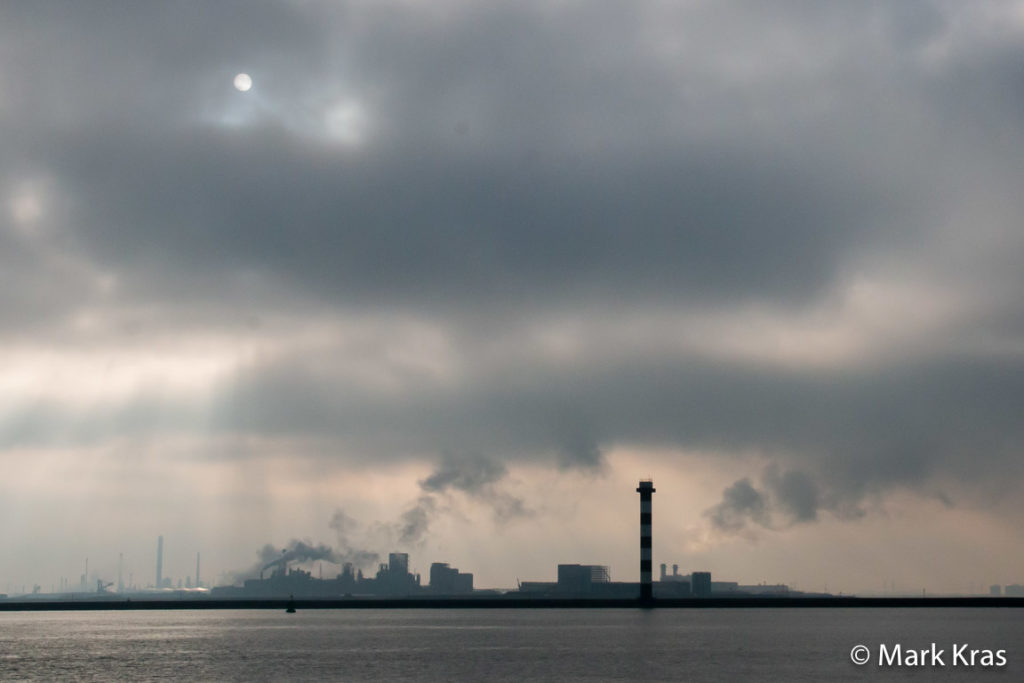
(523, 233)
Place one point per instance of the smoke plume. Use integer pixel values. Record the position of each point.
(344, 527)
(296, 551)
(786, 498)
(741, 502)
(415, 521)
(477, 476)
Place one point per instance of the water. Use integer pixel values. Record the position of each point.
(500, 645)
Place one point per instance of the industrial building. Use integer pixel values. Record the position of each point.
(393, 579)
(673, 585)
(700, 584)
(581, 579)
(594, 581)
(445, 580)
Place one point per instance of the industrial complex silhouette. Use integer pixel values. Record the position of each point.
(393, 583)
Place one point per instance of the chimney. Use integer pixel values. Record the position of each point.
(159, 561)
(646, 491)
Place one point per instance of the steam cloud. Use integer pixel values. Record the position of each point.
(415, 521)
(343, 527)
(297, 551)
(476, 476)
(792, 495)
(468, 474)
(305, 551)
(741, 502)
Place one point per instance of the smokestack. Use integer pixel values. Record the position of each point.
(675, 570)
(197, 570)
(646, 491)
(120, 572)
(159, 561)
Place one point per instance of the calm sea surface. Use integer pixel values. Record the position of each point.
(512, 645)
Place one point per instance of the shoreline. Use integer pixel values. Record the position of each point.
(505, 603)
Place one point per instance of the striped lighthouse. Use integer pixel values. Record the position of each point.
(646, 491)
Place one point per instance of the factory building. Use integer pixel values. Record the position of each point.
(398, 564)
(392, 579)
(445, 580)
(672, 585)
(674, 577)
(581, 579)
(700, 583)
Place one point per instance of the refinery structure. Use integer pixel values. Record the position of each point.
(392, 579)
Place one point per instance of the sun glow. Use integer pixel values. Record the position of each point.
(243, 82)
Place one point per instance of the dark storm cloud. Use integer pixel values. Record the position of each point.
(855, 432)
(522, 164)
(580, 184)
(859, 430)
(456, 233)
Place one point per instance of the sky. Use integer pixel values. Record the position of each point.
(451, 277)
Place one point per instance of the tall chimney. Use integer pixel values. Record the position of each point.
(197, 570)
(159, 561)
(646, 491)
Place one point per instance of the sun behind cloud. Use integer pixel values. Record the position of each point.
(243, 82)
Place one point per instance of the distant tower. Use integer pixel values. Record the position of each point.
(120, 573)
(646, 491)
(197, 570)
(159, 561)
